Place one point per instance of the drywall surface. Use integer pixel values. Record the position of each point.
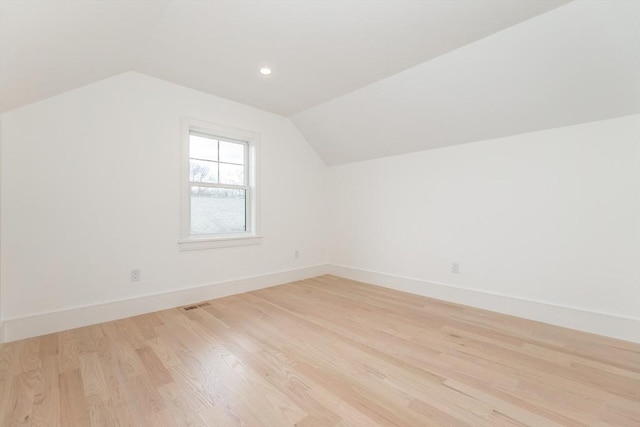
(90, 191)
(550, 216)
(577, 63)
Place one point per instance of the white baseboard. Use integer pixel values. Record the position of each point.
(45, 323)
(610, 325)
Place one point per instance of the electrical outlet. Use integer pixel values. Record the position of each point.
(135, 275)
(455, 268)
(296, 254)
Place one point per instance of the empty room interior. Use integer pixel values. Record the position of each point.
(320, 213)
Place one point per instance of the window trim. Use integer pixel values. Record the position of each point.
(186, 240)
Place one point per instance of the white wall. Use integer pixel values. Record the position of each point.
(90, 190)
(544, 225)
(551, 216)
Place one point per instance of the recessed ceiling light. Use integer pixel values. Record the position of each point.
(265, 71)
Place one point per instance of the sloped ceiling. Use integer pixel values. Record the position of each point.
(575, 64)
(318, 49)
(360, 79)
(51, 47)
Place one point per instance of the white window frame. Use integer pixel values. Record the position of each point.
(251, 236)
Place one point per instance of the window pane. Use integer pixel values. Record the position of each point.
(203, 148)
(231, 174)
(201, 171)
(232, 152)
(217, 210)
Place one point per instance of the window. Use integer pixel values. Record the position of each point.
(218, 187)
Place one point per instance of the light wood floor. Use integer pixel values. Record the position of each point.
(321, 352)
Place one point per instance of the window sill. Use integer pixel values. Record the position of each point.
(218, 242)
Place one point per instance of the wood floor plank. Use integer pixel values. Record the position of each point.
(9, 366)
(67, 351)
(156, 371)
(16, 408)
(321, 352)
(183, 408)
(48, 345)
(164, 352)
(30, 355)
(46, 409)
(46, 400)
(73, 403)
(94, 382)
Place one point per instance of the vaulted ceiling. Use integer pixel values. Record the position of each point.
(360, 79)
(575, 64)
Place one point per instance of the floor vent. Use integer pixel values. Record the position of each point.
(193, 307)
